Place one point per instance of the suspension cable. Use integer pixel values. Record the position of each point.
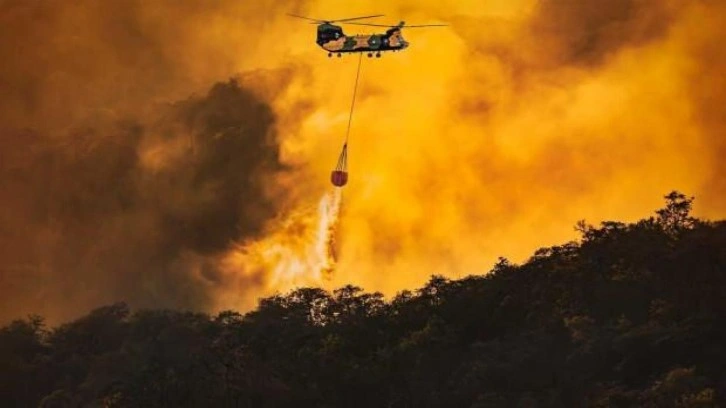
(355, 91)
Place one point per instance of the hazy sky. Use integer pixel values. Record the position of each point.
(175, 154)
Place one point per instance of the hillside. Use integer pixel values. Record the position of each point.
(630, 315)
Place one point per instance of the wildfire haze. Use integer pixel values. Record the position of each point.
(177, 154)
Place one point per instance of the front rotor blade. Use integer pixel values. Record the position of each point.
(425, 25)
(306, 18)
(355, 18)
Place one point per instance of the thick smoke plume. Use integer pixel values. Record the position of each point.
(129, 164)
(137, 211)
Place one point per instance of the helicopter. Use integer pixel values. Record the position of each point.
(332, 39)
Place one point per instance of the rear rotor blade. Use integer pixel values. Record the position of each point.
(425, 25)
(399, 25)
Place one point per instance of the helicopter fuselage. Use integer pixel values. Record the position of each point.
(332, 39)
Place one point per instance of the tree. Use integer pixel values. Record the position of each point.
(631, 316)
(675, 217)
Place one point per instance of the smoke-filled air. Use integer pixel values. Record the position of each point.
(178, 154)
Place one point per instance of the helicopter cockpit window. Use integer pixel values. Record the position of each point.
(331, 34)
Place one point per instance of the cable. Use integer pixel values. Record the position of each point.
(355, 91)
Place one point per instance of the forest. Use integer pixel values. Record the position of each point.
(627, 315)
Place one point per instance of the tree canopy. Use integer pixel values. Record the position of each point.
(631, 314)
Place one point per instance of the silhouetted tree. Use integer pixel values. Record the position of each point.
(631, 315)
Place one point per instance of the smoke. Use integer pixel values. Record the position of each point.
(98, 214)
(493, 137)
(119, 181)
(588, 32)
(707, 93)
(488, 138)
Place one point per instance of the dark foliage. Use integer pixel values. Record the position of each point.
(632, 315)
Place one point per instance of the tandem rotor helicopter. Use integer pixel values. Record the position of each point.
(332, 39)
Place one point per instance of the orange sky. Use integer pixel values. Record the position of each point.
(491, 137)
